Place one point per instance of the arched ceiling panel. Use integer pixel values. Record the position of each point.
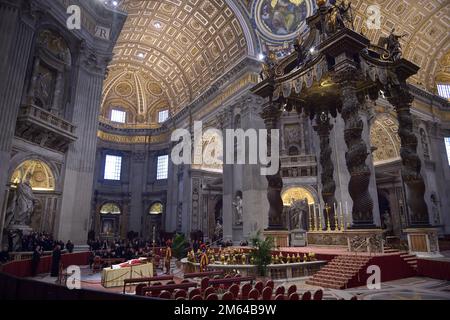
(182, 44)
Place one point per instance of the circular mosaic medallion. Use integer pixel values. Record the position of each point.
(282, 19)
(124, 89)
(154, 88)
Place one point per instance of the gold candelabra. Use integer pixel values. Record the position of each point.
(342, 218)
(310, 220)
(327, 209)
(319, 226)
(336, 220)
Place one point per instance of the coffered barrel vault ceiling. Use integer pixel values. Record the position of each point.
(426, 24)
(181, 46)
(170, 51)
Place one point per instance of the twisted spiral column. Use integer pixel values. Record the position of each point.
(271, 114)
(356, 154)
(323, 129)
(401, 99)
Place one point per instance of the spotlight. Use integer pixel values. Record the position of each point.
(157, 25)
(140, 55)
(312, 50)
(261, 57)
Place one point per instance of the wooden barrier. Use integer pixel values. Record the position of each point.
(147, 279)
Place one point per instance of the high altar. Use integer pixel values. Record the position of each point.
(336, 70)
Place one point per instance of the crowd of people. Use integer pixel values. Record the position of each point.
(121, 248)
(37, 243)
(43, 240)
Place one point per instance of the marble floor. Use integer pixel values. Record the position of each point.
(415, 288)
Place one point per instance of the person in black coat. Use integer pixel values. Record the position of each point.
(35, 260)
(56, 258)
(69, 246)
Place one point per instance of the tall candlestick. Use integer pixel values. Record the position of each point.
(310, 218)
(327, 209)
(347, 214)
(320, 217)
(342, 216)
(316, 218)
(336, 218)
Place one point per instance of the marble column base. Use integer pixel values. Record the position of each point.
(298, 238)
(327, 238)
(280, 237)
(365, 240)
(423, 241)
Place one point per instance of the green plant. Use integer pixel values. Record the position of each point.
(261, 252)
(179, 246)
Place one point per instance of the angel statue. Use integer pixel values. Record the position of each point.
(301, 51)
(339, 14)
(22, 205)
(392, 45)
(268, 65)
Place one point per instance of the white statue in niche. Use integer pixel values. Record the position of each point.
(22, 205)
(238, 208)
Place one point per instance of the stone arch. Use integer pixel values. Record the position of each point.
(384, 137)
(299, 192)
(49, 170)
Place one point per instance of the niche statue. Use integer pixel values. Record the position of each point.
(297, 213)
(238, 210)
(22, 205)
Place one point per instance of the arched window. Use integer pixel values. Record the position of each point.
(156, 208)
(37, 172)
(293, 151)
(110, 208)
(296, 193)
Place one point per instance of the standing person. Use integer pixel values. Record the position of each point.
(168, 256)
(204, 260)
(56, 258)
(69, 246)
(35, 260)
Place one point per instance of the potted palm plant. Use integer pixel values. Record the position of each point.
(261, 253)
(179, 248)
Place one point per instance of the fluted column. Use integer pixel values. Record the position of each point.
(271, 115)
(16, 35)
(357, 152)
(401, 99)
(323, 129)
(80, 158)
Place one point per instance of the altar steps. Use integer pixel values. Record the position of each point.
(339, 272)
(410, 259)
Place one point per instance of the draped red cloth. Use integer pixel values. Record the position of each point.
(435, 269)
(22, 268)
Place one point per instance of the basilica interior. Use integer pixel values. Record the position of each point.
(355, 97)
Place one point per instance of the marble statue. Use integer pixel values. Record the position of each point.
(238, 209)
(392, 45)
(387, 221)
(22, 205)
(218, 232)
(297, 212)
